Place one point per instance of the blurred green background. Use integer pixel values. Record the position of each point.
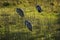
(45, 24)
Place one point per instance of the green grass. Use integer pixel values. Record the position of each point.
(44, 23)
